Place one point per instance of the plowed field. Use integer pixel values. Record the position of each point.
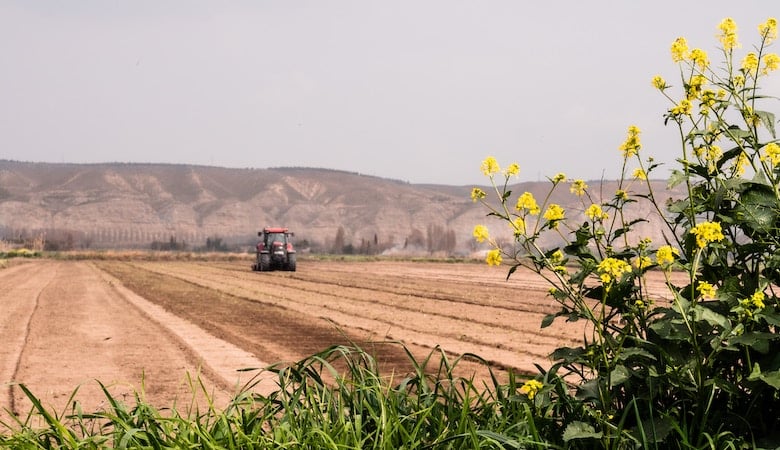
(147, 325)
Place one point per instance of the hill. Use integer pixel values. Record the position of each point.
(117, 205)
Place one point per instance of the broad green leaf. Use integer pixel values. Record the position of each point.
(580, 430)
(768, 120)
(771, 378)
(618, 376)
(711, 317)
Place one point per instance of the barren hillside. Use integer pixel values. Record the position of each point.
(134, 205)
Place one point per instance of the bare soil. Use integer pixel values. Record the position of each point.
(152, 327)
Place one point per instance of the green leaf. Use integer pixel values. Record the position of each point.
(771, 378)
(768, 120)
(632, 352)
(756, 207)
(711, 317)
(618, 376)
(580, 430)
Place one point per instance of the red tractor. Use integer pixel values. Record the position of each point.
(275, 250)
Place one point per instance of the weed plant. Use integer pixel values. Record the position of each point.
(701, 368)
(335, 399)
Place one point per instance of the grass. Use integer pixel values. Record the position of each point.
(316, 405)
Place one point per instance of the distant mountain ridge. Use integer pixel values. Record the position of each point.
(118, 205)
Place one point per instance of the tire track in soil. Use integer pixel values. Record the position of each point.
(270, 332)
(491, 344)
(19, 304)
(83, 330)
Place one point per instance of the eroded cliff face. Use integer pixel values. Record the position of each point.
(134, 205)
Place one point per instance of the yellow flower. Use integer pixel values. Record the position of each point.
(699, 57)
(631, 145)
(665, 255)
(518, 225)
(757, 299)
(706, 290)
(527, 202)
(728, 36)
(739, 80)
(578, 187)
(477, 194)
(493, 257)
(554, 214)
(771, 62)
(558, 178)
(481, 233)
(512, 170)
(594, 212)
(694, 86)
(622, 195)
(707, 232)
(772, 153)
(768, 30)
(490, 166)
(611, 269)
(531, 388)
(750, 63)
(642, 262)
(557, 257)
(682, 108)
(740, 163)
(679, 49)
(659, 83)
(639, 174)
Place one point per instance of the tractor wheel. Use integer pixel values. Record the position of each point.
(265, 262)
(291, 262)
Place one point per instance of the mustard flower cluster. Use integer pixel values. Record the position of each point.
(559, 177)
(771, 153)
(710, 155)
(699, 57)
(526, 202)
(707, 232)
(477, 194)
(642, 262)
(481, 233)
(512, 170)
(490, 166)
(611, 269)
(595, 213)
(531, 388)
(683, 108)
(493, 257)
(768, 30)
(632, 144)
(554, 214)
(518, 226)
(706, 290)
(659, 83)
(665, 255)
(639, 174)
(749, 306)
(578, 187)
(679, 49)
(728, 34)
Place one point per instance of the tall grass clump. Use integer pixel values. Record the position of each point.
(335, 399)
(699, 367)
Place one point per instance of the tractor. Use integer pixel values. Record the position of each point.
(275, 250)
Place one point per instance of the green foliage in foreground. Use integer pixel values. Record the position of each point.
(336, 399)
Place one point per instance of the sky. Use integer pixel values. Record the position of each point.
(414, 90)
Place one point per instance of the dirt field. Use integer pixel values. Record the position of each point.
(147, 325)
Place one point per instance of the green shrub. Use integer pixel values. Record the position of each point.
(700, 369)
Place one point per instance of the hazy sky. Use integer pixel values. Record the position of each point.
(420, 90)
